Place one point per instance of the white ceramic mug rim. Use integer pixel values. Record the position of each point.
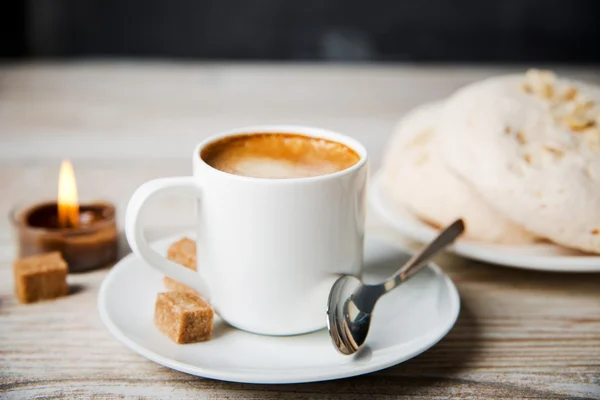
(291, 129)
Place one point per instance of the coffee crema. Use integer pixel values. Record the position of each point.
(278, 155)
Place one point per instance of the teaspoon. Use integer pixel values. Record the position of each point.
(351, 302)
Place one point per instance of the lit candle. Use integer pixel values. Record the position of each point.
(68, 205)
(86, 234)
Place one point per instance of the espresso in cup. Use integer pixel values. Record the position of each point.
(278, 156)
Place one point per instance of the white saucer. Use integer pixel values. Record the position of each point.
(538, 256)
(406, 322)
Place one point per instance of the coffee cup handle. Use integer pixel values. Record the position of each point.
(134, 228)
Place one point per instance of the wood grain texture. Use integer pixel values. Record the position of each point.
(520, 334)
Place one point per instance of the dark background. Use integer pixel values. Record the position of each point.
(433, 30)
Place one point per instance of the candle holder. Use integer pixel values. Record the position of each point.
(90, 245)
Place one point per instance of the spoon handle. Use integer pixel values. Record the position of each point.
(445, 238)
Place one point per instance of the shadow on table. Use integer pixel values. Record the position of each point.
(75, 288)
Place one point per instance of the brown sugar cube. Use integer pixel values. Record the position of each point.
(182, 252)
(184, 317)
(40, 277)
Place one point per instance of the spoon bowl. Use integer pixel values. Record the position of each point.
(336, 322)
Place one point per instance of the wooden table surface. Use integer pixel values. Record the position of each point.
(520, 334)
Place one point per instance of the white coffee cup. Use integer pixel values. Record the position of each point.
(268, 250)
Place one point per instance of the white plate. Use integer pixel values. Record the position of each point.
(538, 256)
(406, 322)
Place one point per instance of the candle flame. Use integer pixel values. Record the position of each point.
(68, 206)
